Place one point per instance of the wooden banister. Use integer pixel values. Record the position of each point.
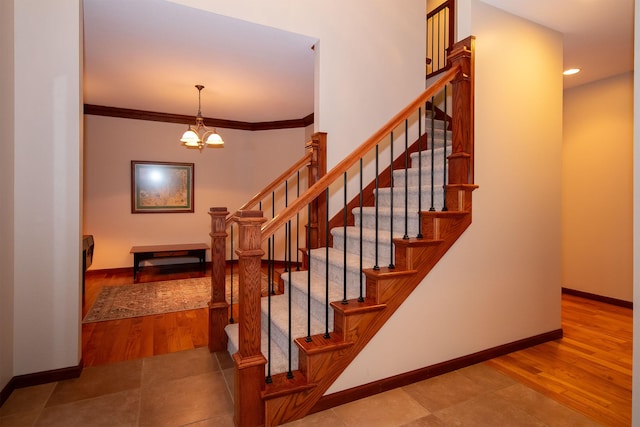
(249, 382)
(304, 160)
(218, 306)
(315, 190)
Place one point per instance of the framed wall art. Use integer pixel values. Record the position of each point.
(161, 187)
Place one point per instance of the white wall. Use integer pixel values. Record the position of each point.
(597, 211)
(501, 281)
(46, 202)
(511, 252)
(636, 220)
(6, 191)
(225, 177)
(364, 45)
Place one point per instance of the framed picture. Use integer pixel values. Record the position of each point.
(161, 187)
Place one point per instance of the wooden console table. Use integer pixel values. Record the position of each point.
(187, 250)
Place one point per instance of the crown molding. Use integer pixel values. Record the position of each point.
(127, 113)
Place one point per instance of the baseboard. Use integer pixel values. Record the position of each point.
(370, 389)
(38, 378)
(600, 298)
(6, 391)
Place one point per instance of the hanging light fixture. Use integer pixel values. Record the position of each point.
(199, 136)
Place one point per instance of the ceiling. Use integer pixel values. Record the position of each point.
(597, 34)
(149, 55)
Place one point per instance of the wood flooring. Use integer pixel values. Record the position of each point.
(134, 338)
(589, 370)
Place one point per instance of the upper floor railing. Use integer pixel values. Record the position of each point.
(440, 36)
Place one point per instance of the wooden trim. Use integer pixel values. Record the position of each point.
(218, 306)
(6, 391)
(153, 116)
(38, 378)
(366, 390)
(599, 298)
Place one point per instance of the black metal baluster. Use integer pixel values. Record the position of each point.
(433, 144)
(376, 266)
(269, 380)
(444, 159)
(326, 291)
(273, 248)
(361, 298)
(439, 42)
(308, 338)
(406, 180)
(290, 342)
(419, 235)
(433, 48)
(286, 230)
(298, 226)
(231, 319)
(391, 265)
(344, 244)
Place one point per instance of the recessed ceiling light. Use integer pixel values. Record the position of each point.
(571, 71)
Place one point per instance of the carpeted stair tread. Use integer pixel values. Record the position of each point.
(278, 357)
(296, 283)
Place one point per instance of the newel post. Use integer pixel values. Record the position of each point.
(218, 306)
(460, 161)
(317, 169)
(249, 362)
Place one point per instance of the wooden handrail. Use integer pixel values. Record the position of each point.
(447, 4)
(304, 160)
(315, 190)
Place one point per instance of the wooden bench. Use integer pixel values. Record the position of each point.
(185, 250)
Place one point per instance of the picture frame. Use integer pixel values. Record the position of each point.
(162, 187)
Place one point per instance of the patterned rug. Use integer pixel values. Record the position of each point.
(145, 299)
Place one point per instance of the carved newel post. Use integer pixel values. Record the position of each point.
(461, 167)
(249, 362)
(317, 169)
(218, 306)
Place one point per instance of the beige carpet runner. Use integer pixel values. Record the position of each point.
(145, 299)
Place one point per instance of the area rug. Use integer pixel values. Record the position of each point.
(145, 299)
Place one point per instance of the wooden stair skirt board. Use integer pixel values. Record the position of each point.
(401, 380)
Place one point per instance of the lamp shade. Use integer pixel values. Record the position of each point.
(215, 140)
(190, 138)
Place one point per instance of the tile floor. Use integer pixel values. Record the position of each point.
(192, 388)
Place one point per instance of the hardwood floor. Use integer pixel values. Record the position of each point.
(134, 338)
(589, 370)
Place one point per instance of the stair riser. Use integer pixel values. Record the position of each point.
(425, 158)
(336, 270)
(384, 221)
(412, 175)
(318, 307)
(279, 337)
(384, 198)
(368, 247)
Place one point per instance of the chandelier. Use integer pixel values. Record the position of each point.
(199, 136)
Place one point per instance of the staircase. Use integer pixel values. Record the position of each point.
(288, 349)
(295, 283)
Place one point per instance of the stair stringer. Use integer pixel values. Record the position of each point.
(322, 360)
